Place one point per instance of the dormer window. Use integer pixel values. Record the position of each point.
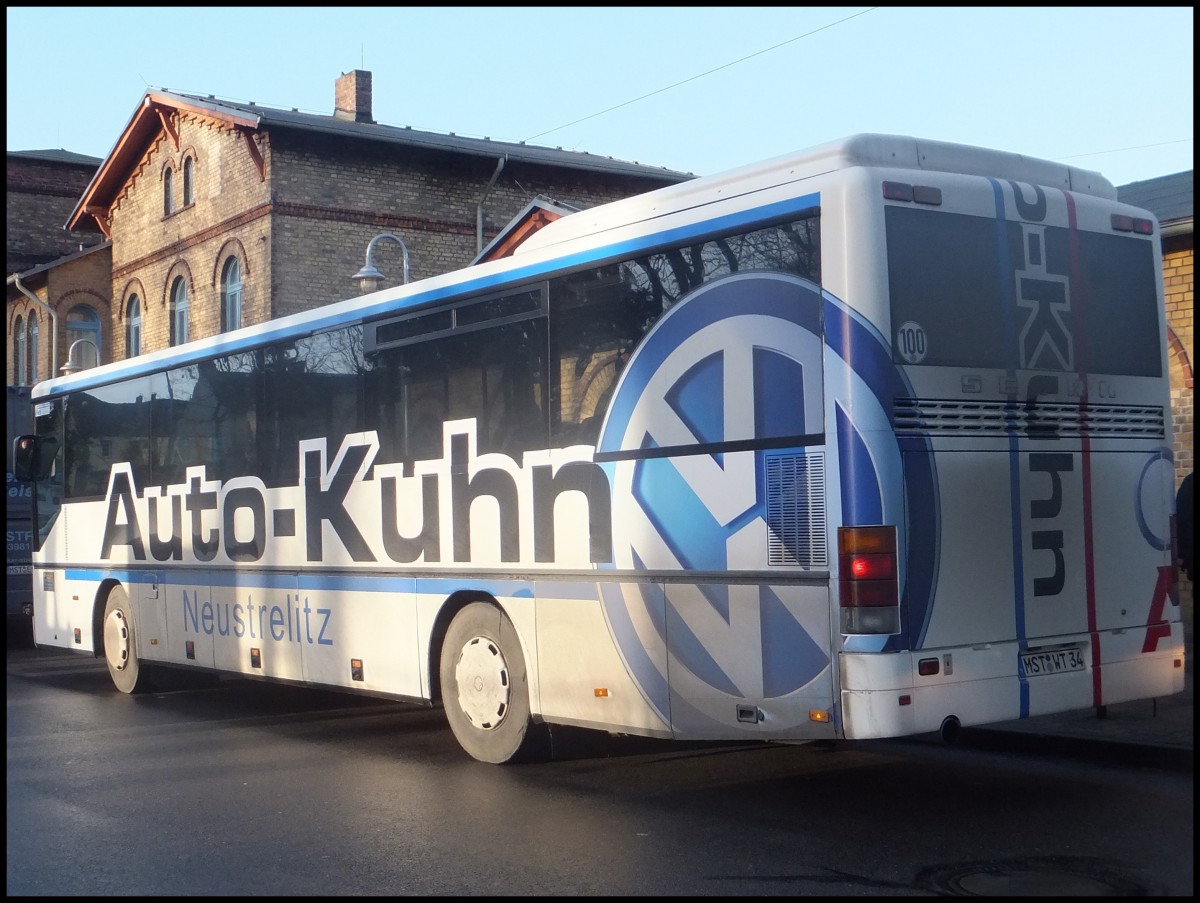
(168, 192)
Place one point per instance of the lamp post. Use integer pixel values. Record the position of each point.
(73, 360)
(369, 277)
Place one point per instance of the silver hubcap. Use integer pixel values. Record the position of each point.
(116, 640)
(483, 684)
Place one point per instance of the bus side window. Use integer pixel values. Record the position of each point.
(107, 427)
(596, 319)
(504, 384)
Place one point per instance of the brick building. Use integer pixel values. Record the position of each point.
(45, 261)
(41, 189)
(222, 214)
(1169, 198)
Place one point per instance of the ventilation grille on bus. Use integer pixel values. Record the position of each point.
(1039, 419)
(796, 510)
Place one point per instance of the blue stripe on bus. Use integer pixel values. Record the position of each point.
(390, 583)
(1008, 293)
(266, 333)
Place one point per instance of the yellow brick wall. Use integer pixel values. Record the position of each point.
(83, 281)
(1180, 303)
(152, 248)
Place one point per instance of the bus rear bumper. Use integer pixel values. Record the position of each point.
(886, 695)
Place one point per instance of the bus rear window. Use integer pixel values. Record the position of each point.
(965, 293)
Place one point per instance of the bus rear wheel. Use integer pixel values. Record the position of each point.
(485, 690)
(128, 673)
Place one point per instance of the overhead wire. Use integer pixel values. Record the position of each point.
(751, 56)
(702, 74)
(1117, 150)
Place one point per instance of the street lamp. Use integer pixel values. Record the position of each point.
(369, 277)
(73, 360)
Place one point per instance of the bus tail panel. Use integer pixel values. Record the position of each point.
(1042, 542)
(906, 693)
(1055, 547)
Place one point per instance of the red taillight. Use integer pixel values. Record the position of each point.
(869, 590)
(1123, 223)
(873, 567)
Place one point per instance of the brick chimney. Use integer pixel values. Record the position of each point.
(352, 96)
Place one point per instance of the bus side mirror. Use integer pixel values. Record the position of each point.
(33, 457)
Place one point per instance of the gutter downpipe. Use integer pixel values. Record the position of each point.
(15, 279)
(479, 207)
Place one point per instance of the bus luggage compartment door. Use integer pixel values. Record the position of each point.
(748, 659)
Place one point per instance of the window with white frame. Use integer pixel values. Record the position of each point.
(83, 326)
(32, 328)
(179, 311)
(133, 327)
(231, 295)
(19, 351)
(189, 178)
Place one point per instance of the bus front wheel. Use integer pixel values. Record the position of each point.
(128, 673)
(485, 690)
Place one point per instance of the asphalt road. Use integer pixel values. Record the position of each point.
(249, 788)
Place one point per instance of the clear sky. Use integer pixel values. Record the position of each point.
(698, 90)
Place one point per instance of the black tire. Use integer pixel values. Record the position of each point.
(129, 674)
(485, 688)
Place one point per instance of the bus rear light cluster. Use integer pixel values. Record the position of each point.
(920, 194)
(869, 590)
(1123, 223)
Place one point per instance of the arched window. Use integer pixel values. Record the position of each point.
(83, 323)
(179, 311)
(189, 176)
(168, 192)
(231, 295)
(19, 351)
(33, 348)
(133, 327)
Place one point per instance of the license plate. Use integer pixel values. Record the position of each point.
(1052, 661)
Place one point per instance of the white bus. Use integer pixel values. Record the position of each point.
(865, 441)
